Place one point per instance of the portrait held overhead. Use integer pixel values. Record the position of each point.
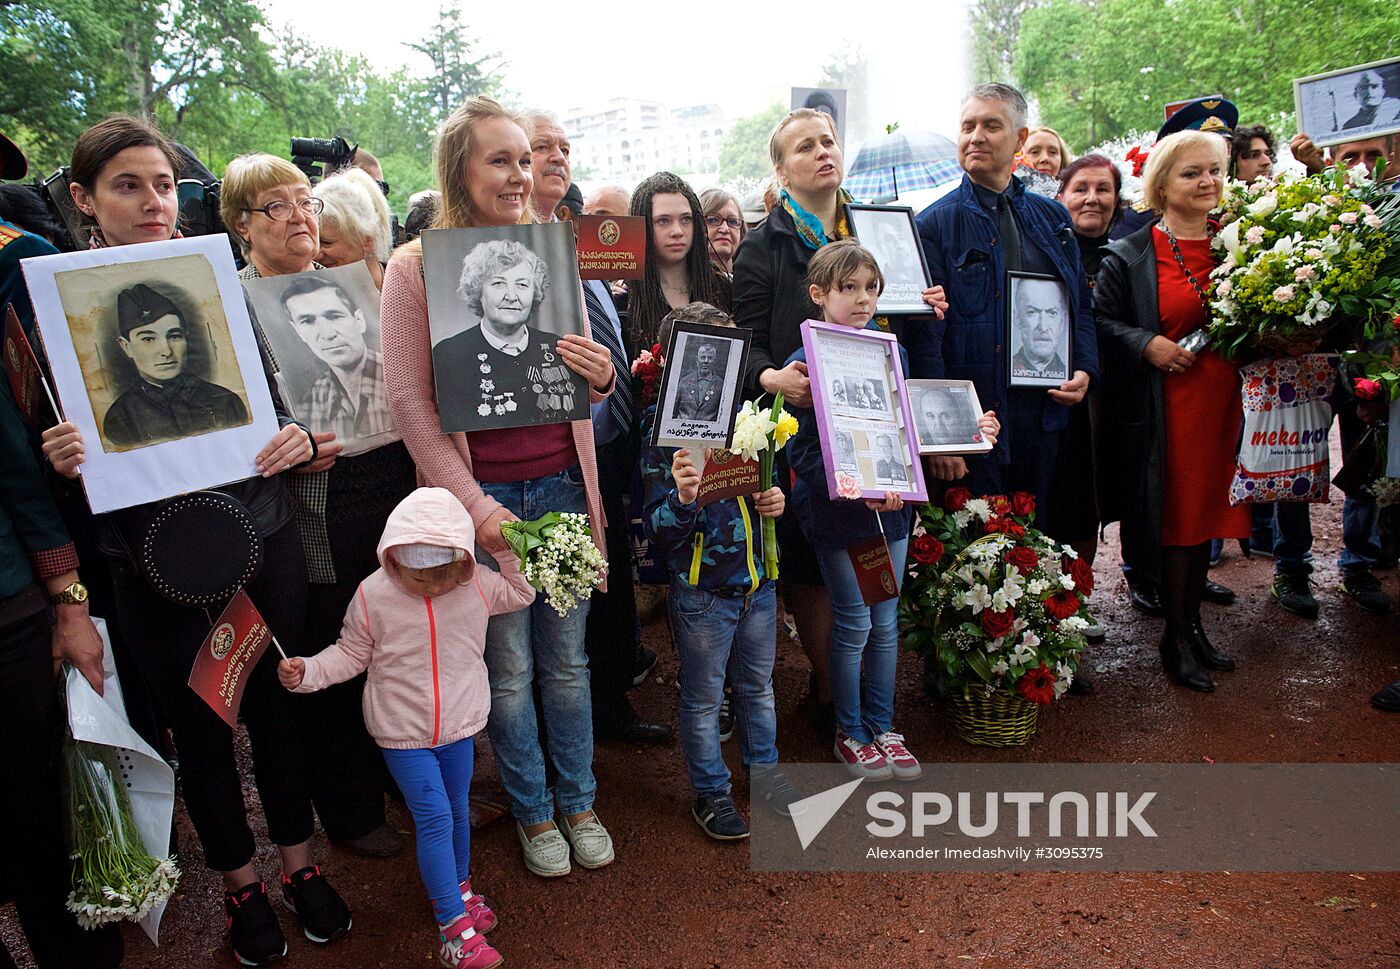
(1038, 330)
(1351, 104)
(499, 299)
(323, 329)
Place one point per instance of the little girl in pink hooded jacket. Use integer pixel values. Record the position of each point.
(418, 625)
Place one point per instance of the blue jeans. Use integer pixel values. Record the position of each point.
(713, 634)
(436, 783)
(1293, 538)
(538, 644)
(862, 633)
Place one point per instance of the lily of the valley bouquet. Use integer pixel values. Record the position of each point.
(997, 604)
(114, 877)
(1299, 255)
(557, 557)
(759, 434)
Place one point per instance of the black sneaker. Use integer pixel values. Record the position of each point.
(726, 719)
(323, 914)
(719, 817)
(778, 792)
(1293, 594)
(253, 931)
(646, 660)
(1366, 590)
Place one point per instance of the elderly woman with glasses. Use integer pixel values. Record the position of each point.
(268, 204)
(724, 223)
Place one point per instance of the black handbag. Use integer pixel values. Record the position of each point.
(1364, 463)
(201, 548)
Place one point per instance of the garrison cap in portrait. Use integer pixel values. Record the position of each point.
(1203, 114)
(141, 306)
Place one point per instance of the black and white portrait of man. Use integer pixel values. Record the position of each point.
(1039, 338)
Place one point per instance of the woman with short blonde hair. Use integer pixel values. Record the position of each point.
(266, 202)
(1046, 151)
(1162, 163)
(724, 223)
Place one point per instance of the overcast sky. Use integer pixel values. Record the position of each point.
(564, 55)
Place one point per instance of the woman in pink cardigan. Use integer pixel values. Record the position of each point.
(483, 171)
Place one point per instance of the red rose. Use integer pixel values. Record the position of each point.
(1083, 575)
(1038, 685)
(997, 624)
(1023, 558)
(1062, 605)
(1023, 504)
(1395, 323)
(956, 498)
(1367, 389)
(926, 550)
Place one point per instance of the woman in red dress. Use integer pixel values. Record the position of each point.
(1174, 416)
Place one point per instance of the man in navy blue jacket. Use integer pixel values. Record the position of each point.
(971, 237)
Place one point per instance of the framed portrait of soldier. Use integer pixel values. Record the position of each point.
(155, 360)
(945, 417)
(864, 419)
(700, 387)
(323, 330)
(888, 232)
(1351, 104)
(499, 300)
(1037, 330)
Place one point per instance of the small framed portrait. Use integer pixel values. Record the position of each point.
(888, 232)
(1350, 104)
(945, 417)
(864, 418)
(499, 299)
(1037, 330)
(827, 100)
(699, 393)
(323, 330)
(155, 360)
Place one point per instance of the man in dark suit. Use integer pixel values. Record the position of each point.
(166, 402)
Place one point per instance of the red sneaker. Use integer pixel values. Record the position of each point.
(862, 760)
(462, 947)
(483, 919)
(903, 764)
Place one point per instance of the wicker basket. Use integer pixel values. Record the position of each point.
(999, 720)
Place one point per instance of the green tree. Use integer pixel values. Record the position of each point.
(1101, 68)
(995, 26)
(458, 71)
(743, 159)
(849, 69)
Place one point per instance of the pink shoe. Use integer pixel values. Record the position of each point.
(862, 760)
(904, 764)
(483, 919)
(461, 947)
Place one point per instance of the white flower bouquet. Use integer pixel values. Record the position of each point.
(759, 434)
(114, 877)
(1298, 255)
(557, 557)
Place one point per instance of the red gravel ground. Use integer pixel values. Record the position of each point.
(674, 898)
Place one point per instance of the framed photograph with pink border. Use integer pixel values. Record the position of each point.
(866, 425)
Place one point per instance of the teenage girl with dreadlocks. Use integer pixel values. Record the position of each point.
(678, 268)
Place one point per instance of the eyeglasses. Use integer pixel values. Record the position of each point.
(280, 210)
(714, 222)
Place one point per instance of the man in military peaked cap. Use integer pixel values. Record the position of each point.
(166, 402)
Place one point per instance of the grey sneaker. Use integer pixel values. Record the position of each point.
(1292, 591)
(593, 846)
(546, 854)
(1366, 590)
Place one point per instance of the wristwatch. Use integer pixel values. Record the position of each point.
(73, 595)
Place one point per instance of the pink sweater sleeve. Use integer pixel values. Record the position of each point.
(348, 657)
(443, 459)
(507, 591)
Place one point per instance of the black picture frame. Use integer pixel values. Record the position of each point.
(672, 428)
(1020, 372)
(906, 278)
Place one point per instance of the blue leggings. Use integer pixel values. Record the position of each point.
(436, 783)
